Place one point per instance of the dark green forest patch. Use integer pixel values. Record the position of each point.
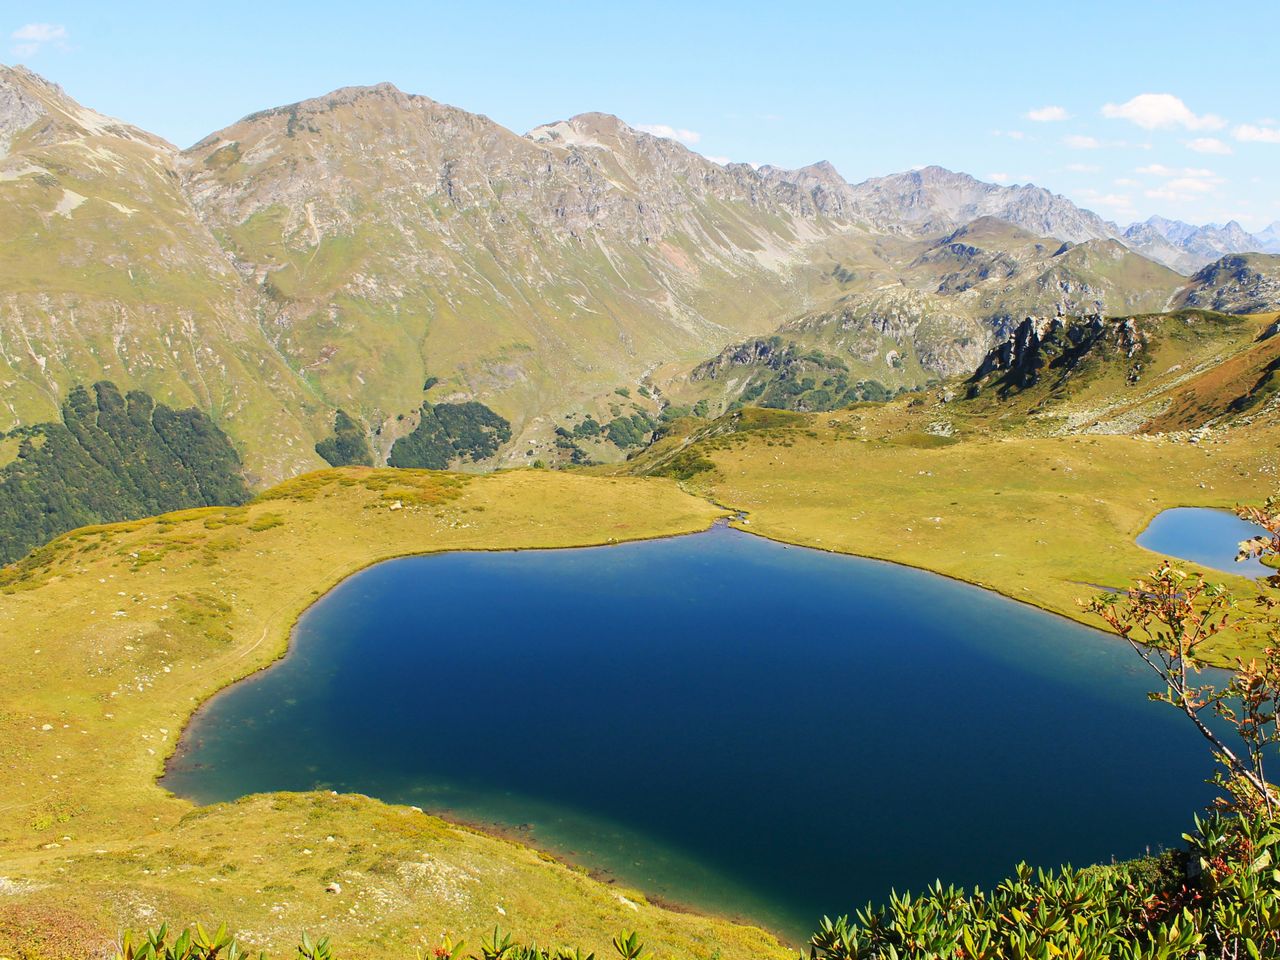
(113, 457)
(451, 431)
(349, 445)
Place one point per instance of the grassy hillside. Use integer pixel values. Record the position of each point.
(106, 273)
(118, 632)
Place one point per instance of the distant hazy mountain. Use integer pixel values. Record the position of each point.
(1186, 247)
(933, 201)
(1270, 238)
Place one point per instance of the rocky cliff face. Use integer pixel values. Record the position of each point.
(1242, 283)
(22, 103)
(1040, 346)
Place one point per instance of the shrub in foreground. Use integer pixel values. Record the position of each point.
(199, 945)
(1226, 904)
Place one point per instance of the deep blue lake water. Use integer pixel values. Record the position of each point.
(1206, 537)
(753, 729)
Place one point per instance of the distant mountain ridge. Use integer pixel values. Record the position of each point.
(932, 201)
(1186, 248)
(1270, 238)
(381, 253)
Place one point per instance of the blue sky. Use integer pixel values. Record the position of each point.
(1127, 108)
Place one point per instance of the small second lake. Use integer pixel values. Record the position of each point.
(1205, 537)
(752, 729)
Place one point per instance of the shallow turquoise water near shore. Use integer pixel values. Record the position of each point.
(724, 721)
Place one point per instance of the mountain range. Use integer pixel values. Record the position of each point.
(391, 257)
(1187, 248)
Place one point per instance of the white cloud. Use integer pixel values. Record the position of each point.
(1184, 188)
(998, 177)
(1208, 145)
(32, 37)
(1120, 203)
(1084, 168)
(1154, 111)
(1125, 182)
(1251, 133)
(1191, 185)
(1011, 134)
(1048, 114)
(1079, 142)
(41, 32)
(670, 132)
(1198, 173)
(723, 161)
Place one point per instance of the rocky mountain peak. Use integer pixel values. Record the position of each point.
(821, 186)
(824, 172)
(1186, 247)
(593, 129)
(934, 201)
(20, 107)
(28, 100)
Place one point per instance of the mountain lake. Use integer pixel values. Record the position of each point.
(752, 729)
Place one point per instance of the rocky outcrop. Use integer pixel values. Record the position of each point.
(770, 353)
(1242, 283)
(1039, 346)
(20, 108)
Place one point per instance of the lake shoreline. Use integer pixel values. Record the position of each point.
(508, 830)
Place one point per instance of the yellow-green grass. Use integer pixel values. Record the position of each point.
(1047, 520)
(113, 635)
